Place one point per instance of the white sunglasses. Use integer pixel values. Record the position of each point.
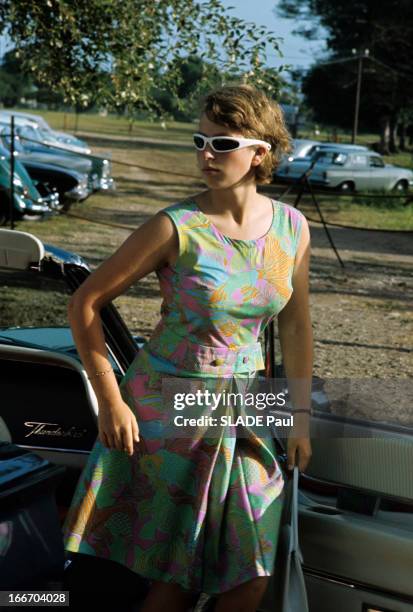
(225, 144)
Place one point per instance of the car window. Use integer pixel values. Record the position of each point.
(45, 135)
(331, 157)
(385, 401)
(29, 300)
(376, 162)
(5, 141)
(29, 133)
(312, 150)
(359, 160)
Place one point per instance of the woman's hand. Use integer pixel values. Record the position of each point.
(118, 427)
(302, 445)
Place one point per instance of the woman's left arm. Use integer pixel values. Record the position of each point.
(296, 340)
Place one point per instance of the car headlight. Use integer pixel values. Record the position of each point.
(20, 201)
(106, 168)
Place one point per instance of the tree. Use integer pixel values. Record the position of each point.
(385, 27)
(14, 82)
(136, 43)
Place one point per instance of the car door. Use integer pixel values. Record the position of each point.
(379, 177)
(36, 345)
(359, 171)
(356, 499)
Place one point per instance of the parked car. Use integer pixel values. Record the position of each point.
(294, 167)
(28, 202)
(57, 186)
(72, 186)
(359, 171)
(355, 498)
(30, 146)
(302, 147)
(51, 136)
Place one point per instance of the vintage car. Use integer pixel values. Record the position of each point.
(30, 199)
(58, 186)
(355, 497)
(72, 186)
(346, 168)
(62, 139)
(301, 147)
(349, 171)
(30, 145)
(293, 168)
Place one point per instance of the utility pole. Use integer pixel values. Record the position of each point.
(11, 210)
(358, 90)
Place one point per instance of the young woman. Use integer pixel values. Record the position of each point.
(199, 514)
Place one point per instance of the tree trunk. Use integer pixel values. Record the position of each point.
(393, 134)
(402, 136)
(385, 135)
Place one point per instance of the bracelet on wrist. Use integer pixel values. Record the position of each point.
(100, 373)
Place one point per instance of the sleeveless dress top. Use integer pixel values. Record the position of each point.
(203, 512)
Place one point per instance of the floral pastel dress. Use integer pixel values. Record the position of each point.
(203, 512)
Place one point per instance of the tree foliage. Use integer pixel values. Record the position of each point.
(118, 52)
(385, 28)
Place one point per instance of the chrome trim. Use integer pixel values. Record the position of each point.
(48, 449)
(353, 584)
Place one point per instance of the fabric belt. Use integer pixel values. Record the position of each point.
(178, 354)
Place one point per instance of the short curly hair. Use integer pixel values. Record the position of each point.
(246, 109)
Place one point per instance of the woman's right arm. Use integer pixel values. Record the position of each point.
(148, 248)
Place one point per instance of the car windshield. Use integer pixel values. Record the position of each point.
(5, 140)
(312, 152)
(45, 135)
(331, 157)
(29, 133)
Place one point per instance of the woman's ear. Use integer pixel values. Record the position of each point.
(258, 156)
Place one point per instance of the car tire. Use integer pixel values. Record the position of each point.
(347, 187)
(401, 186)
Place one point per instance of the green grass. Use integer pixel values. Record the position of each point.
(369, 217)
(146, 187)
(112, 124)
(390, 214)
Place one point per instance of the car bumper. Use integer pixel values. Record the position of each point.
(24, 205)
(53, 201)
(107, 184)
(77, 194)
(39, 216)
(37, 210)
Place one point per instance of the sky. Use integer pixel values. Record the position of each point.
(297, 51)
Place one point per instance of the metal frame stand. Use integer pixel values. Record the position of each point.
(269, 332)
